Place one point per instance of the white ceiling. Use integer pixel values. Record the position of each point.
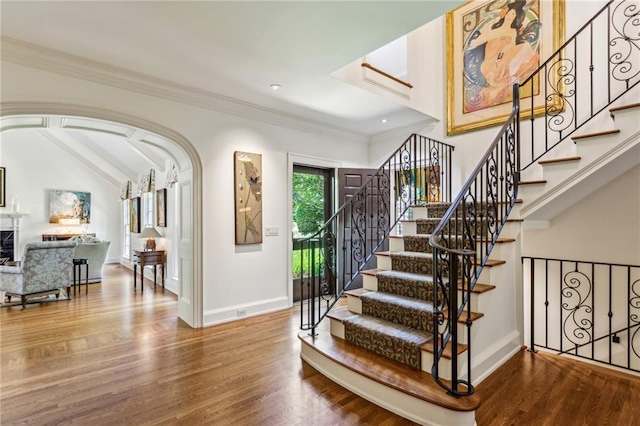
(237, 48)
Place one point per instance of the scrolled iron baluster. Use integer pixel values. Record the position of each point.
(491, 206)
(511, 161)
(576, 291)
(634, 317)
(358, 228)
(625, 21)
(560, 112)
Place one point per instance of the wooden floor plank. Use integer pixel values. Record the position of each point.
(122, 357)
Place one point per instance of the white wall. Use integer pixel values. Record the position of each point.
(249, 277)
(33, 167)
(604, 227)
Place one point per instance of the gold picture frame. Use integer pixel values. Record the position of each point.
(248, 197)
(3, 187)
(486, 55)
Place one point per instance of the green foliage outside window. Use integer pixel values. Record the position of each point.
(308, 203)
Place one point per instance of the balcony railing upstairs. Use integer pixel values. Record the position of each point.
(590, 310)
(418, 172)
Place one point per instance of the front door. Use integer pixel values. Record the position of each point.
(364, 224)
(312, 207)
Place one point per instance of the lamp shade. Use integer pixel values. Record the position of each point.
(149, 232)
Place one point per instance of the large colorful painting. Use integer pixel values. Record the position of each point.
(491, 46)
(248, 197)
(69, 205)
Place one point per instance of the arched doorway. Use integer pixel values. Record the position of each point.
(189, 233)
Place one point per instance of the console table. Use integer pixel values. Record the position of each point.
(148, 258)
(64, 237)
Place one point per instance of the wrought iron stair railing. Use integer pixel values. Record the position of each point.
(475, 217)
(418, 172)
(564, 103)
(590, 71)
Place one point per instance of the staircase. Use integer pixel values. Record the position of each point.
(455, 267)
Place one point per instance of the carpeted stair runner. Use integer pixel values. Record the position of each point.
(406, 311)
(398, 318)
(393, 341)
(406, 284)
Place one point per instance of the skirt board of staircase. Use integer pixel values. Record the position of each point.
(410, 393)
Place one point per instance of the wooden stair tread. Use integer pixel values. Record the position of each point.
(592, 135)
(498, 241)
(339, 313)
(356, 292)
(463, 318)
(418, 384)
(532, 182)
(428, 347)
(515, 220)
(383, 253)
(371, 272)
(491, 263)
(559, 160)
(623, 107)
(479, 288)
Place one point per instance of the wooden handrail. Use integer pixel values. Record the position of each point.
(379, 71)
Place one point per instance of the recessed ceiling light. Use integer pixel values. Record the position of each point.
(275, 86)
(384, 120)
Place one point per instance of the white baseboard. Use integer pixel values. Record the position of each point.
(494, 356)
(232, 313)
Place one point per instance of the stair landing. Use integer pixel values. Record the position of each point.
(414, 393)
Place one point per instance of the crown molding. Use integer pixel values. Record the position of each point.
(38, 57)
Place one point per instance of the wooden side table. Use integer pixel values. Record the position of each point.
(148, 258)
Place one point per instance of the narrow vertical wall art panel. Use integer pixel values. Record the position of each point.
(248, 197)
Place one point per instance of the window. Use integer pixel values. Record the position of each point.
(148, 208)
(126, 238)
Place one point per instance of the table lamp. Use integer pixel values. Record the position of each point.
(150, 234)
(69, 222)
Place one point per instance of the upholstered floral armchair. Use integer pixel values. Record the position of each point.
(45, 268)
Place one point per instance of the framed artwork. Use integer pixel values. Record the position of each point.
(134, 215)
(161, 207)
(3, 188)
(69, 205)
(490, 46)
(248, 197)
(423, 182)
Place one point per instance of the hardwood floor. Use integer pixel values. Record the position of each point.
(548, 389)
(122, 357)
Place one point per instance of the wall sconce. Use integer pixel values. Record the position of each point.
(150, 234)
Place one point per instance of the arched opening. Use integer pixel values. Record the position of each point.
(44, 117)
